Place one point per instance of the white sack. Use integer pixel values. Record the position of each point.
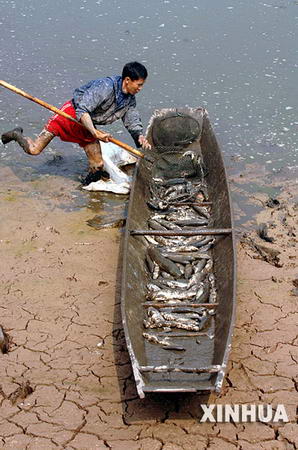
(113, 157)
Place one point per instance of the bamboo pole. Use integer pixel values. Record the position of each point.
(55, 110)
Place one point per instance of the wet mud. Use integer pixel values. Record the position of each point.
(66, 380)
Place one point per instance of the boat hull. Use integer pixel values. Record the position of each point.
(203, 363)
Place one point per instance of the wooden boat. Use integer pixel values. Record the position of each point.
(202, 366)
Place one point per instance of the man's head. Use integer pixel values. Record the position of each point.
(134, 75)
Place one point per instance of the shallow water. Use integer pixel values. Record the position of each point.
(236, 58)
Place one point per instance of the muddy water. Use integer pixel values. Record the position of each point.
(236, 58)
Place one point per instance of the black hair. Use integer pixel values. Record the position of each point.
(135, 71)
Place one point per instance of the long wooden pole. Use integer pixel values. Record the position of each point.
(52, 108)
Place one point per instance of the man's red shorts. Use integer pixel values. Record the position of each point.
(68, 130)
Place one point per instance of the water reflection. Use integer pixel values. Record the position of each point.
(236, 58)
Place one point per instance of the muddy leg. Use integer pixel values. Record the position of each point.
(30, 146)
(96, 172)
(93, 152)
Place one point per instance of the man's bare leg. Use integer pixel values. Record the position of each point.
(96, 172)
(93, 152)
(30, 146)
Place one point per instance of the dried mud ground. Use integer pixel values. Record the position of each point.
(66, 379)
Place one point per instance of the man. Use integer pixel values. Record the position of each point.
(99, 102)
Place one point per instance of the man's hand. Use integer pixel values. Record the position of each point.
(102, 136)
(144, 143)
(87, 122)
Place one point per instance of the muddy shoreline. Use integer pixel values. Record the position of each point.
(66, 379)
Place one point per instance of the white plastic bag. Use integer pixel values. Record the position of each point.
(113, 157)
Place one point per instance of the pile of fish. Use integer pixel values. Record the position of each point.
(180, 267)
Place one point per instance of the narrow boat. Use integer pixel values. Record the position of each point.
(178, 319)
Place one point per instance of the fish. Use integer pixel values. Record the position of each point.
(150, 263)
(165, 264)
(173, 191)
(202, 295)
(166, 224)
(172, 317)
(188, 271)
(170, 240)
(154, 318)
(150, 240)
(189, 325)
(166, 275)
(153, 224)
(207, 247)
(182, 259)
(196, 279)
(156, 271)
(185, 309)
(182, 316)
(181, 267)
(182, 284)
(155, 321)
(213, 296)
(202, 211)
(181, 249)
(200, 265)
(174, 181)
(152, 287)
(205, 321)
(204, 242)
(164, 342)
(191, 222)
(211, 278)
(171, 294)
(157, 205)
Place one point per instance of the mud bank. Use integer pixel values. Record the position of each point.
(66, 379)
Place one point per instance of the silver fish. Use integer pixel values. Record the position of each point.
(168, 225)
(174, 284)
(204, 242)
(165, 264)
(164, 342)
(153, 287)
(205, 321)
(185, 309)
(180, 249)
(166, 275)
(156, 271)
(213, 296)
(171, 294)
(151, 240)
(178, 257)
(200, 265)
(211, 278)
(185, 317)
(203, 294)
(196, 279)
(189, 325)
(191, 222)
(153, 224)
(150, 263)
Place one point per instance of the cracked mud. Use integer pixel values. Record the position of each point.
(66, 380)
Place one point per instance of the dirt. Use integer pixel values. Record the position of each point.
(66, 380)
